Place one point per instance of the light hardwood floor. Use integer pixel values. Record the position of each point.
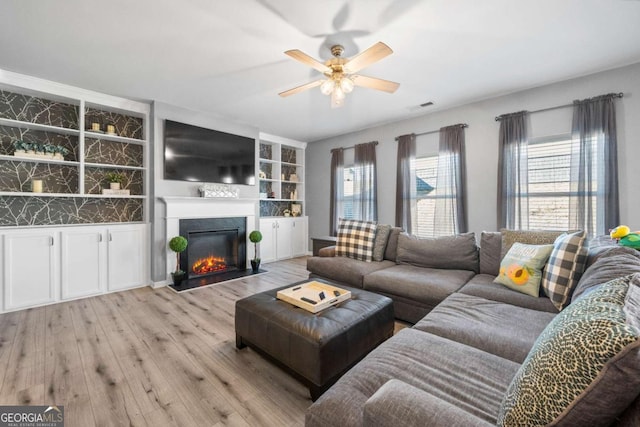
(150, 358)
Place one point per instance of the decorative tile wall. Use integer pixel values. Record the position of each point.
(267, 168)
(17, 176)
(26, 211)
(38, 110)
(288, 155)
(94, 180)
(128, 126)
(266, 152)
(269, 208)
(266, 187)
(8, 135)
(116, 153)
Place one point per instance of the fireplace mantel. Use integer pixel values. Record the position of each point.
(178, 208)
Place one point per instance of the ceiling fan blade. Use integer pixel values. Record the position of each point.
(375, 83)
(367, 57)
(300, 88)
(300, 56)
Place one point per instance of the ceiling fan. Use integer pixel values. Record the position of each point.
(340, 72)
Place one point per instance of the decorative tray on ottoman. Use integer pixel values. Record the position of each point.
(313, 296)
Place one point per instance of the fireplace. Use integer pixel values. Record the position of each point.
(215, 246)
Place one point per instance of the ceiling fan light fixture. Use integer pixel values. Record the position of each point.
(346, 84)
(327, 86)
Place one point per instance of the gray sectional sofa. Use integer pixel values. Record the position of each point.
(470, 336)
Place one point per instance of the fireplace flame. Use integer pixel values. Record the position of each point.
(209, 264)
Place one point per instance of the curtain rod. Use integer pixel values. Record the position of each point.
(464, 125)
(353, 146)
(498, 118)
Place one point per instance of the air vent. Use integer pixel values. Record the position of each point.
(427, 104)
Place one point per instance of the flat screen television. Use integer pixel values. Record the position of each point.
(196, 154)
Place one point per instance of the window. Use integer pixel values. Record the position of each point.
(549, 183)
(426, 173)
(347, 201)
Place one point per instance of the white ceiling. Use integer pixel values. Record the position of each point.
(226, 57)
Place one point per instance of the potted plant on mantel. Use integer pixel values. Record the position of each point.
(255, 237)
(115, 179)
(178, 244)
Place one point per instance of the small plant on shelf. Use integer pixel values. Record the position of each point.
(255, 237)
(20, 147)
(59, 152)
(178, 244)
(115, 179)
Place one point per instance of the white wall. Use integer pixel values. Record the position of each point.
(162, 187)
(482, 146)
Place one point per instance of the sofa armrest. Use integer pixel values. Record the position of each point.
(399, 404)
(328, 252)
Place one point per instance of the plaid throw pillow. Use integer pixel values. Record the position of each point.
(355, 239)
(566, 265)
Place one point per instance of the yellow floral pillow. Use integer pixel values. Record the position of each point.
(521, 268)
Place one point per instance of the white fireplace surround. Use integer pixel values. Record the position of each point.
(178, 208)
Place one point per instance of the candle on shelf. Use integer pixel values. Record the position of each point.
(36, 185)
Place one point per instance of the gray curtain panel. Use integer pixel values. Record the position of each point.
(365, 185)
(337, 189)
(513, 204)
(405, 181)
(594, 204)
(450, 215)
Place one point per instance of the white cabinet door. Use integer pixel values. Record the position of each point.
(268, 243)
(84, 263)
(30, 268)
(126, 257)
(284, 233)
(299, 237)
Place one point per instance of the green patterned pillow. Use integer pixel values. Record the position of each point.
(521, 268)
(584, 369)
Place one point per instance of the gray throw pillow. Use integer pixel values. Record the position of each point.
(457, 252)
(490, 252)
(611, 263)
(391, 252)
(584, 369)
(380, 242)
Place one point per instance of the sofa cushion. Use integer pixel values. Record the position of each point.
(457, 252)
(528, 237)
(355, 239)
(344, 270)
(584, 369)
(521, 268)
(610, 263)
(482, 286)
(495, 327)
(380, 242)
(460, 375)
(490, 252)
(391, 252)
(564, 268)
(397, 403)
(428, 286)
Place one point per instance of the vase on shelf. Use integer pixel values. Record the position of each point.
(114, 185)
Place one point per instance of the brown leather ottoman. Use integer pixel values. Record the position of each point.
(317, 348)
